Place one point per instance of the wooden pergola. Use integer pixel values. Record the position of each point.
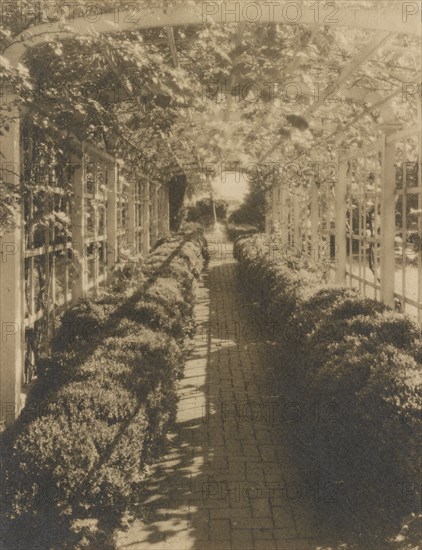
(288, 211)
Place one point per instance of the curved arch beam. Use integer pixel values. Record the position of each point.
(404, 18)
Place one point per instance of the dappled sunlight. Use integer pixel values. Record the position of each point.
(211, 274)
(223, 482)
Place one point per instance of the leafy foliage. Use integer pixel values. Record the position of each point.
(362, 358)
(105, 401)
(252, 210)
(122, 90)
(236, 231)
(202, 211)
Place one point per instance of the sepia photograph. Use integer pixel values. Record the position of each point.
(210, 275)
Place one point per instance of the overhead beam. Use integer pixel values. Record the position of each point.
(370, 49)
(404, 18)
(238, 41)
(380, 40)
(340, 133)
(291, 67)
(175, 57)
(172, 46)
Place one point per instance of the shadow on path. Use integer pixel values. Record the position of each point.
(229, 479)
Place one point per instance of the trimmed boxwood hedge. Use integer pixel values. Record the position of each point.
(357, 354)
(235, 231)
(105, 400)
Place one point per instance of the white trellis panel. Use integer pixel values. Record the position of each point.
(364, 224)
(137, 216)
(47, 244)
(406, 148)
(363, 172)
(95, 210)
(66, 250)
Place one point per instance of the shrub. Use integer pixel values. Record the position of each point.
(372, 445)
(125, 278)
(360, 356)
(279, 279)
(164, 306)
(235, 231)
(84, 321)
(203, 211)
(156, 316)
(105, 402)
(252, 210)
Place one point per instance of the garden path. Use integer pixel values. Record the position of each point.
(228, 480)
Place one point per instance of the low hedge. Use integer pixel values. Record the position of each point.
(235, 231)
(105, 400)
(357, 354)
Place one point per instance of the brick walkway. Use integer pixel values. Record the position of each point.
(228, 481)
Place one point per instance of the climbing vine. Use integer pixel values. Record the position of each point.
(238, 90)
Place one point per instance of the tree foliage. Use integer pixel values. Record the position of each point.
(249, 92)
(253, 208)
(202, 211)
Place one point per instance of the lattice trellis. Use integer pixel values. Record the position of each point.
(363, 219)
(364, 222)
(81, 218)
(408, 224)
(47, 242)
(95, 211)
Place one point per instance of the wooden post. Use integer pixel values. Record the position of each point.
(12, 285)
(315, 237)
(95, 209)
(274, 206)
(284, 221)
(278, 210)
(152, 214)
(146, 244)
(163, 216)
(267, 213)
(79, 228)
(314, 206)
(340, 220)
(157, 212)
(132, 245)
(166, 210)
(154, 228)
(296, 219)
(278, 199)
(112, 229)
(420, 217)
(160, 200)
(388, 217)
